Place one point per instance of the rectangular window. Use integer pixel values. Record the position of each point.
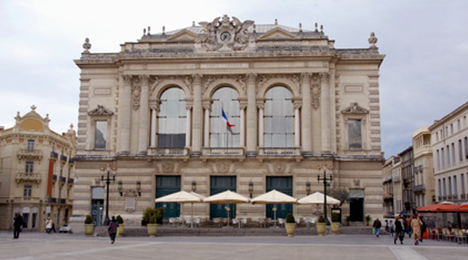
(455, 190)
(466, 147)
(453, 154)
(462, 179)
(437, 137)
(460, 150)
(444, 187)
(458, 125)
(31, 143)
(438, 160)
(100, 135)
(354, 134)
(29, 167)
(27, 191)
(448, 155)
(451, 129)
(442, 156)
(450, 187)
(440, 188)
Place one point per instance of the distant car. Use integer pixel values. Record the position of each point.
(65, 229)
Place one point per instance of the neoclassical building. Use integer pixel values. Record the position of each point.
(36, 172)
(228, 105)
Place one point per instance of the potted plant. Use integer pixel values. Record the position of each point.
(159, 215)
(335, 224)
(89, 226)
(368, 219)
(290, 225)
(321, 226)
(348, 219)
(120, 229)
(152, 226)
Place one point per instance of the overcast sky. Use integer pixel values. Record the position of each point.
(421, 78)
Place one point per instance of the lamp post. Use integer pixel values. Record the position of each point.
(326, 182)
(107, 180)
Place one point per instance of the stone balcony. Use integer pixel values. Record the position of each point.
(30, 154)
(28, 177)
(168, 151)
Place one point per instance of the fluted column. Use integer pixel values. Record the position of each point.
(197, 122)
(154, 119)
(242, 126)
(306, 114)
(125, 115)
(206, 140)
(325, 112)
(261, 139)
(251, 116)
(143, 129)
(297, 126)
(188, 130)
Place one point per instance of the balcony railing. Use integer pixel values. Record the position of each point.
(168, 151)
(71, 161)
(52, 200)
(54, 178)
(32, 154)
(62, 201)
(62, 179)
(28, 177)
(462, 196)
(53, 155)
(287, 151)
(63, 158)
(233, 151)
(419, 188)
(71, 181)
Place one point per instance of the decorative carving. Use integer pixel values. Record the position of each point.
(372, 40)
(357, 182)
(222, 167)
(136, 94)
(127, 79)
(315, 89)
(196, 79)
(354, 108)
(325, 77)
(251, 78)
(86, 46)
(223, 34)
(305, 78)
(279, 168)
(167, 167)
(144, 79)
(100, 111)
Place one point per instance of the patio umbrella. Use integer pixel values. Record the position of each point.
(441, 207)
(463, 207)
(226, 197)
(274, 197)
(317, 198)
(182, 197)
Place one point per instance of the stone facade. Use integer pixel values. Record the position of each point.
(332, 110)
(449, 137)
(423, 169)
(36, 172)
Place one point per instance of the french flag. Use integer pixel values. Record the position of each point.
(225, 119)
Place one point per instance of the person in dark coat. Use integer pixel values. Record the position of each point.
(18, 223)
(113, 225)
(423, 228)
(399, 230)
(377, 225)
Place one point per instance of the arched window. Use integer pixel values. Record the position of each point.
(172, 119)
(224, 131)
(279, 118)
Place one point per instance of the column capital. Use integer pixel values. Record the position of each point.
(144, 79)
(325, 77)
(251, 78)
(305, 78)
(197, 79)
(127, 79)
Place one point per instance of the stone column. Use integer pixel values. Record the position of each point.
(197, 122)
(297, 126)
(251, 116)
(306, 115)
(242, 126)
(206, 141)
(188, 130)
(143, 128)
(325, 112)
(125, 115)
(261, 140)
(154, 111)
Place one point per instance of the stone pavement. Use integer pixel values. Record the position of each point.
(34, 245)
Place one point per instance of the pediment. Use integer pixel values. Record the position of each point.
(354, 108)
(100, 111)
(182, 36)
(277, 34)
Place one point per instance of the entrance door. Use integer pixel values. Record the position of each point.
(219, 184)
(166, 185)
(97, 208)
(284, 185)
(356, 204)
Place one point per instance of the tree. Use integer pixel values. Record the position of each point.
(340, 193)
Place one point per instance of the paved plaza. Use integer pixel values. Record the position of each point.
(34, 245)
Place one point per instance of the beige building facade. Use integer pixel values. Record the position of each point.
(423, 170)
(449, 136)
(36, 172)
(228, 105)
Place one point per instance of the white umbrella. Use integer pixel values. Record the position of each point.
(317, 198)
(227, 197)
(274, 197)
(182, 197)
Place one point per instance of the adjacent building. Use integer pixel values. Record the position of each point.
(423, 170)
(449, 137)
(36, 172)
(228, 104)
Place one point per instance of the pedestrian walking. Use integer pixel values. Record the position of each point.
(49, 225)
(399, 230)
(390, 228)
(17, 224)
(423, 228)
(113, 225)
(416, 226)
(377, 225)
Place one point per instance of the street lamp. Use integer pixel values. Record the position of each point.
(107, 179)
(326, 182)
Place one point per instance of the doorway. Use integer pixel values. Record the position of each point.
(219, 184)
(166, 185)
(284, 185)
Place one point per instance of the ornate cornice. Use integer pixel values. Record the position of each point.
(100, 111)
